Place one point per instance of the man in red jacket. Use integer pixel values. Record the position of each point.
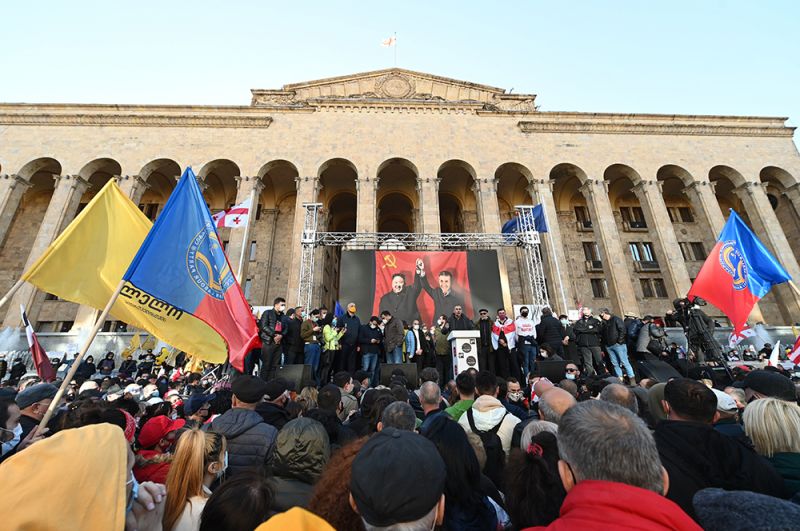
(611, 471)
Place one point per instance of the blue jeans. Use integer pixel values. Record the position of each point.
(369, 363)
(529, 353)
(395, 356)
(311, 353)
(619, 356)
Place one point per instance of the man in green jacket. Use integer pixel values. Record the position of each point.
(465, 384)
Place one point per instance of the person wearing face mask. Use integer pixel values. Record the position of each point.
(414, 344)
(441, 346)
(349, 342)
(486, 357)
(504, 337)
(270, 329)
(587, 331)
(369, 340)
(526, 340)
(33, 403)
(332, 334)
(551, 332)
(200, 458)
(311, 333)
(572, 372)
(515, 395)
(156, 439)
(392, 337)
(11, 439)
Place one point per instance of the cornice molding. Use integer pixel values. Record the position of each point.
(134, 120)
(640, 128)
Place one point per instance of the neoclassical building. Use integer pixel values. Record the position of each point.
(634, 200)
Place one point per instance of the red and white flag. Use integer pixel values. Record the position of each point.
(236, 216)
(775, 356)
(736, 338)
(794, 355)
(44, 368)
(391, 41)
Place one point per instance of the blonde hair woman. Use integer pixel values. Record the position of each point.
(774, 427)
(200, 458)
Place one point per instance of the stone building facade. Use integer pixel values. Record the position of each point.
(638, 198)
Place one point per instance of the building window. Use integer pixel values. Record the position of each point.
(582, 215)
(247, 284)
(258, 212)
(592, 255)
(66, 326)
(50, 297)
(693, 251)
(150, 210)
(686, 215)
(252, 251)
(632, 218)
(653, 288)
(644, 256)
(224, 245)
(80, 208)
(599, 288)
(45, 327)
(673, 214)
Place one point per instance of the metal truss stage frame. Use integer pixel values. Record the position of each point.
(526, 238)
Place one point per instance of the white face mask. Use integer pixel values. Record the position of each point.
(224, 465)
(9, 445)
(385, 321)
(515, 397)
(373, 325)
(416, 327)
(565, 322)
(570, 376)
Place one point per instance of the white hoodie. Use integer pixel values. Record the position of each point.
(487, 412)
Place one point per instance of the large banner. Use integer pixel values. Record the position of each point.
(420, 285)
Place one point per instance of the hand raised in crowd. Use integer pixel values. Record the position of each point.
(148, 508)
(32, 437)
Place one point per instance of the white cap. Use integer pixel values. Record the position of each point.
(725, 402)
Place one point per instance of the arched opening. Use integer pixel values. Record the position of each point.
(161, 176)
(397, 196)
(778, 181)
(97, 173)
(337, 179)
(725, 181)
(513, 182)
(458, 207)
(219, 177)
(271, 232)
(27, 220)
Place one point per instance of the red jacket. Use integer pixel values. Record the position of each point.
(151, 465)
(605, 505)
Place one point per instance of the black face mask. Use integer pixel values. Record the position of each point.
(524, 314)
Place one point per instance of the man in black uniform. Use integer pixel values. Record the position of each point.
(587, 335)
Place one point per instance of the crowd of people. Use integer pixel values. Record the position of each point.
(147, 445)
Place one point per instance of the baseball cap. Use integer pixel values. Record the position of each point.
(418, 477)
(725, 402)
(157, 428)
(249, 389)
(35, 393)
(770, 383)
(192, 404)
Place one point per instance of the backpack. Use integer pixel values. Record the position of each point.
(495, 456)
(634, 327)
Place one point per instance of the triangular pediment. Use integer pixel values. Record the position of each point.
(392, 84)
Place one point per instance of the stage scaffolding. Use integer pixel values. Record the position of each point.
(527, 238)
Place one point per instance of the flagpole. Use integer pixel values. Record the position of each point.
(552, 250)
(74, 368)
(14, 289)
(245, 243)
(395, 48)
(791, 284)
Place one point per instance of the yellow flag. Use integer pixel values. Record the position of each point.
(136, 341)
(87, 261)
(149, 343)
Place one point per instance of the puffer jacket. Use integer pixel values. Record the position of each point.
(251, 441)
(301, 452)
(487, 411)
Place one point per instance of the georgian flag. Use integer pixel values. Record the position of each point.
(236, 216)
(40, 358)
(794, 355)
(391, 41)
(736, 338)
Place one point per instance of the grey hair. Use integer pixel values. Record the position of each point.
(553, 403)
(426, 523)
(399, 415)
(429, 393)
(533, 429)
(606, 442)
(620, 395)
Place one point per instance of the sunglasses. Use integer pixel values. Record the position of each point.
(572, 370)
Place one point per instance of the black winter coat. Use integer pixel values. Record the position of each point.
(587, 332)
(266, 325)
(353, 324)
(365, 335)
(613, 331)
(696, 456)
(250, 440)
(550, 332)
(273, 414)
(459, 323)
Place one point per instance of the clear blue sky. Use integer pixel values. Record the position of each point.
(698, 57)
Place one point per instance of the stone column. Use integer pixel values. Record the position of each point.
(428, 189)
(306, 193)
(676, 276)
(555, 260)
(133, 186)
(793, 195)
(367, 213)
(701, 196)
(245, 187)
(615, 264)
(62, 208)
(766, 226)
(489, 218)
(12, 188)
